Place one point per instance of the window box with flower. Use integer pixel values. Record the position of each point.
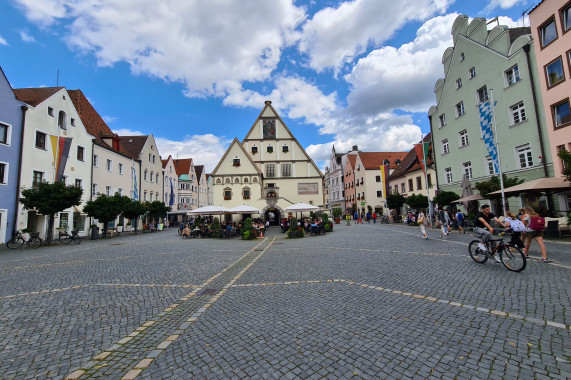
(270, 149)
(236, 162)
(227, 197)
(246, 197)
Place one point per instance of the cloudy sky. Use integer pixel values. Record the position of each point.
(196, 73)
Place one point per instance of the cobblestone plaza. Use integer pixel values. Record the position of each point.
(366, 301)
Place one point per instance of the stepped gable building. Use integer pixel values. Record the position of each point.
(202, 185)
(187, 184)
(170, 181)
(551, 31)
(482, 60)
(11, 115)
(113, 167)
(150, 180)
(349, 183)
(56, 147)
(337, 162)
(268, 170)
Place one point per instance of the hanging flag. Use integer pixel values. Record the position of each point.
(385, 170)
(486, 115)
(135, 191)
(421, 151)
(171, 202)
(60, 150)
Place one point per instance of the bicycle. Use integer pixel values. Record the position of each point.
(511, 256)
(34, 241)
(66, 238)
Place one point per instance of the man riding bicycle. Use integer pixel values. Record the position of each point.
(483, 227)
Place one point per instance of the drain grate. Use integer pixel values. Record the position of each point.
(207, 292)
(116, 243)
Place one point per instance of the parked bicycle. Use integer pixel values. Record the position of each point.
(66, 238)
(511, 256)
(33, 241)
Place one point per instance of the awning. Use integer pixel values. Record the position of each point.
(301, 207)
(541, 185)
(473, 197)
(244, 209)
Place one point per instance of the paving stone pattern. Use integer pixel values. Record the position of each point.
(366, 301)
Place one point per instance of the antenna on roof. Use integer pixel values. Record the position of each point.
(57, 79)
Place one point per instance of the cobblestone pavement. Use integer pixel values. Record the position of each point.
(366, 301)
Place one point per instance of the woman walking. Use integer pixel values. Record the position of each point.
(423, 222)
(533, 234)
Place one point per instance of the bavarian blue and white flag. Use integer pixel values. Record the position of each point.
(135, 191)
(486, 114)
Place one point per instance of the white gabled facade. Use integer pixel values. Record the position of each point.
(52, 123)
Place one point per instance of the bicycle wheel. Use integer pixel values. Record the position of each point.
(476, 253)
(513, 258)
(76, 239)
(65, 239)
(35, 242)
(14, 243)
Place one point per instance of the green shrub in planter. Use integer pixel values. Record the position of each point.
(248, 230)
(295, 232)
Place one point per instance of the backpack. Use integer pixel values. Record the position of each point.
(537, 223)
(517, 225)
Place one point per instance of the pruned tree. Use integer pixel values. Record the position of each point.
(105, 209)
(133, 210)
(49, 199)
(493, 184)
(157, 210)
(396, 201)
(445, 198)
(417, 201)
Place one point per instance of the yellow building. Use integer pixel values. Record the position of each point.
(268, 170)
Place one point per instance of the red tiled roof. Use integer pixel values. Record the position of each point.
(182, 166)
(35, 96)
(374, 160)
(165, 162)
(352, 159)
(410, 163)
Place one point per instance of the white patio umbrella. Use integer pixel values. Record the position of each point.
(209, 210)
(302, 207)
(244, 209)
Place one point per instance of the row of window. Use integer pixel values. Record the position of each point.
(269, 149)
(516, 113)
(523, 159)
(548, 30)
(246, 194)
(411, 185)
(236, 180)
(39, 176)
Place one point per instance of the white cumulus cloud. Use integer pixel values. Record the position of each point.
(335, 36)
(401, 78)
(3, 41)
(26, 37)
(209, 45)
(204, 150)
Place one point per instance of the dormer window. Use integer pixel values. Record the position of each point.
(236, 162)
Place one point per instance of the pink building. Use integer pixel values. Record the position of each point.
(551, 30)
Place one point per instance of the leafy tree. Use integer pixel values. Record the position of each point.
(133, 210)
(337, 212)
(105, 209)
(566, 158)
(417, 201)
(157, 210)
(493, 184)
(49, 199)
(445, 198)
(395, 201)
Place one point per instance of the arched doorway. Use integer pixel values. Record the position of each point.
(273, 215)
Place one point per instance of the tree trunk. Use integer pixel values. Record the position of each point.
(136, 224)
(105, 225)
(49, 236)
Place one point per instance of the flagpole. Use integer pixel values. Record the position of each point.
(498, 154)
(425, 161)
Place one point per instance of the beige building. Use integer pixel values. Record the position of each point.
(551, 30)
(268, 170)
(202, 185)
(409, 178)
(170, 181)
(144, 150)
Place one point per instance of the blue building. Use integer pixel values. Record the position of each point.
(11, 114)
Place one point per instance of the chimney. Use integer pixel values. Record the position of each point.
(268, 102)
(355, 147)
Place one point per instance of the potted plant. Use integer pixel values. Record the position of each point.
(337, 212)
(120, 227)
